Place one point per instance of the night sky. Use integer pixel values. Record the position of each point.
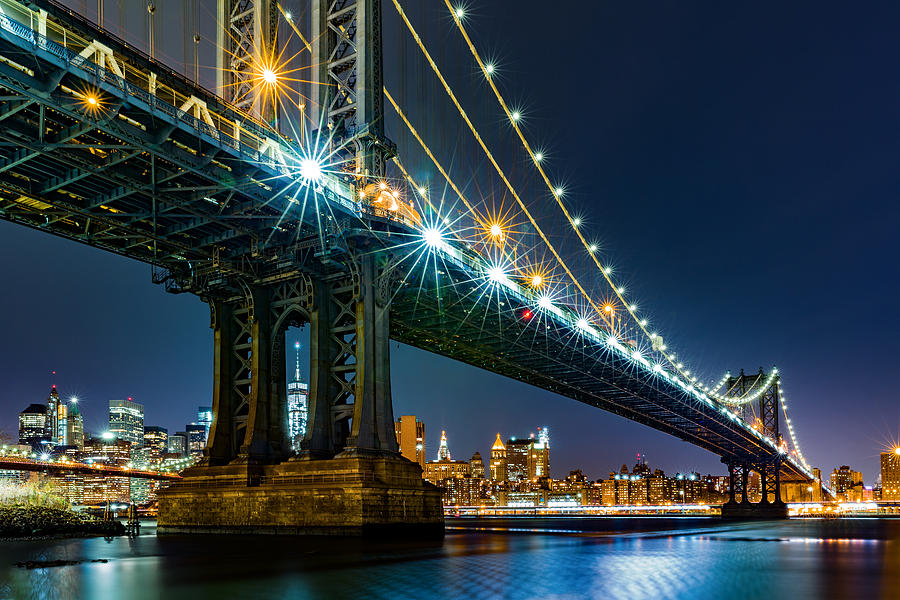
(738, 163)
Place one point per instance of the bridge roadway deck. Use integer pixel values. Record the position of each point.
(190, 190)
(544, 352)
(18, 464)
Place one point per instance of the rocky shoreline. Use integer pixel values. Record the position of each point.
(18, 521)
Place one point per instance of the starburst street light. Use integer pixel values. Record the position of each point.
(497, 274)
(310, 170)
(433, 237)
(269, 76)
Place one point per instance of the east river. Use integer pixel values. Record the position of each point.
(548, 559)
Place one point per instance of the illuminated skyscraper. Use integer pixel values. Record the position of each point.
(204, 417)
(443, 450)
(890, 475)
(539, 455)
(196, 439)
(410, 433)
(178, 443)
(517, 458)
(75, 425)
(297, 405)
(477, 466)
(98, 489)
(62, 425)
(843, 479)
(156, 441)
(126, 421)
(53, 404)
(498, 461)
(33, 425)
(445, 467)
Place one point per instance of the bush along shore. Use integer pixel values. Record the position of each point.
(27, 521)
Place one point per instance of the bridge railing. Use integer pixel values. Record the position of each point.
(236, 129)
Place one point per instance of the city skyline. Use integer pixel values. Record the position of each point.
(892, 449)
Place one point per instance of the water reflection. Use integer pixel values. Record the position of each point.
(590, 558)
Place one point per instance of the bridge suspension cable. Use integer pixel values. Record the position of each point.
(794, 444)
(556, 193)
(514, 118)
(494, 162)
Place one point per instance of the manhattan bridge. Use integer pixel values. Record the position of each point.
(281, 200)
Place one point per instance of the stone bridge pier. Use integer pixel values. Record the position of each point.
(739, 506)
(348, 478)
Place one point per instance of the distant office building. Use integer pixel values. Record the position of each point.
(99, 489)
(845, 482)
(53, 404)
(443, 449)
(62, 425)
(444, 467)
(462, 491)
(156, 441)
(477, 466)
(890, 475)
(498, 466)
(539, 455)
(196, 439)
(33, 425)
(297, 405)
(126, 421)
(528, 459)
(517, 458)
(438, 470)
(204, 417)
(178, 443)
(74, 425)
(410, 433)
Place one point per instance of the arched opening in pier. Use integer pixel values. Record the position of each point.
(297, 379)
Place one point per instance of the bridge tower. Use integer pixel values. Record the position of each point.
(348, 477)
(768, 405)
(348, 80)
(247, 32)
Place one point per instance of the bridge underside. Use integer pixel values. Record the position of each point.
(443, 317)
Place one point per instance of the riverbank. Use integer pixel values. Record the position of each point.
(19, 521)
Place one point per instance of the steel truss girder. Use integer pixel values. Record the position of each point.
(348, 81)
(548, 358)
(246, 35)
(111, 126)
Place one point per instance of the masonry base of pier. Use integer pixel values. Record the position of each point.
(339, 496)
(747, 511)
